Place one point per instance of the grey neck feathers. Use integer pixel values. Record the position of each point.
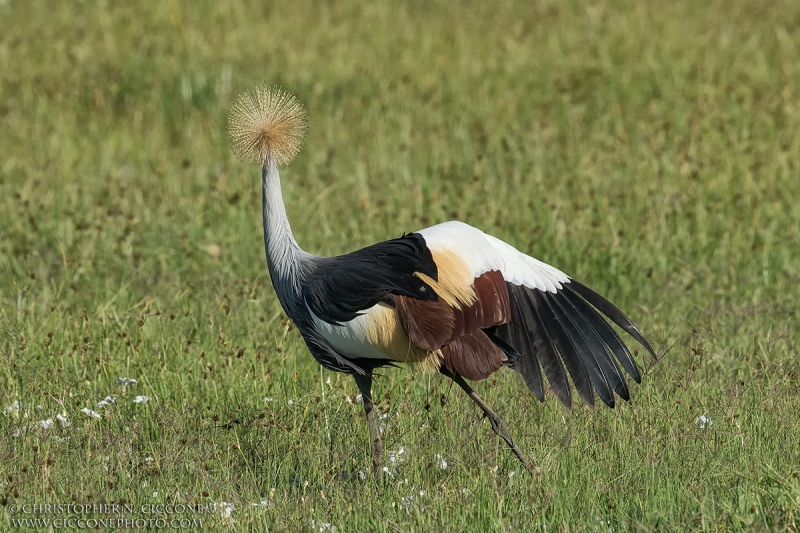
(287, 262)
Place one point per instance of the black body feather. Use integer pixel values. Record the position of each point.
(341, 288)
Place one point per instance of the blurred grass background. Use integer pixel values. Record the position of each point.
(649, 150)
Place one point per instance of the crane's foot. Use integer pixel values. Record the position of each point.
(498, 425)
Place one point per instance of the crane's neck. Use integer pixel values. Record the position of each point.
(285, 258)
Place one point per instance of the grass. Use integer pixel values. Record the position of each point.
(650, 150)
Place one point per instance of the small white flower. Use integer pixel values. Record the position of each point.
(388, 472)
(141, 399)
(397, 456)
(359, 398)
(20, 431)
(63, 419)
(410, 501)
(328, 381)
(264, 502)
(155, 494)
(108, 400)
(13, 408)
(91, 413)
(149, 459)
(442, 462)
(227, 509)
(362, 475)
(126, 381)
(44, 424)
(322, 526)
(703, 422)
(511, 474)
(268, 399)
(290, 403)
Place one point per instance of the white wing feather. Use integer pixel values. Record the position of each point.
(482, 253)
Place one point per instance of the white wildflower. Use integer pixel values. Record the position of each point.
(290, 403)
(91, 413)
(388, 472)
(268, 399)
(322, 526)
(411, 500)
(44, 424)
(13, 408)
(703, 422)
(126, 381)
(108, 400)
(408, 501)
(441, 461)
(362, 475)
(397, 456)
(155, 494)
(141, 399)
(265, 502)
(359, 398)
(227, 509)
(63, 419)
(512, 474)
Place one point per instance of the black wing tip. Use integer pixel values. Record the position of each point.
(562, 319)
(612, 312)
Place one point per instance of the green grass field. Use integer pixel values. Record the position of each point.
(648, 149)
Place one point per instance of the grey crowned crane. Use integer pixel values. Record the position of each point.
(448, 298)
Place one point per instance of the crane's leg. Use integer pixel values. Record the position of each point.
(365, 387)
(498, 426)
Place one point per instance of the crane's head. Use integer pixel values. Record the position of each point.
(266, 124)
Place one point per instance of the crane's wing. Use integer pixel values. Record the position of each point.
(452, 295)
(531, 316)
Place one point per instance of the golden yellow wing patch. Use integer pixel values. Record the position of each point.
(386, 333)
(455, 284)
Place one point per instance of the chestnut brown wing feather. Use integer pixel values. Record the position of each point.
(457, 330)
